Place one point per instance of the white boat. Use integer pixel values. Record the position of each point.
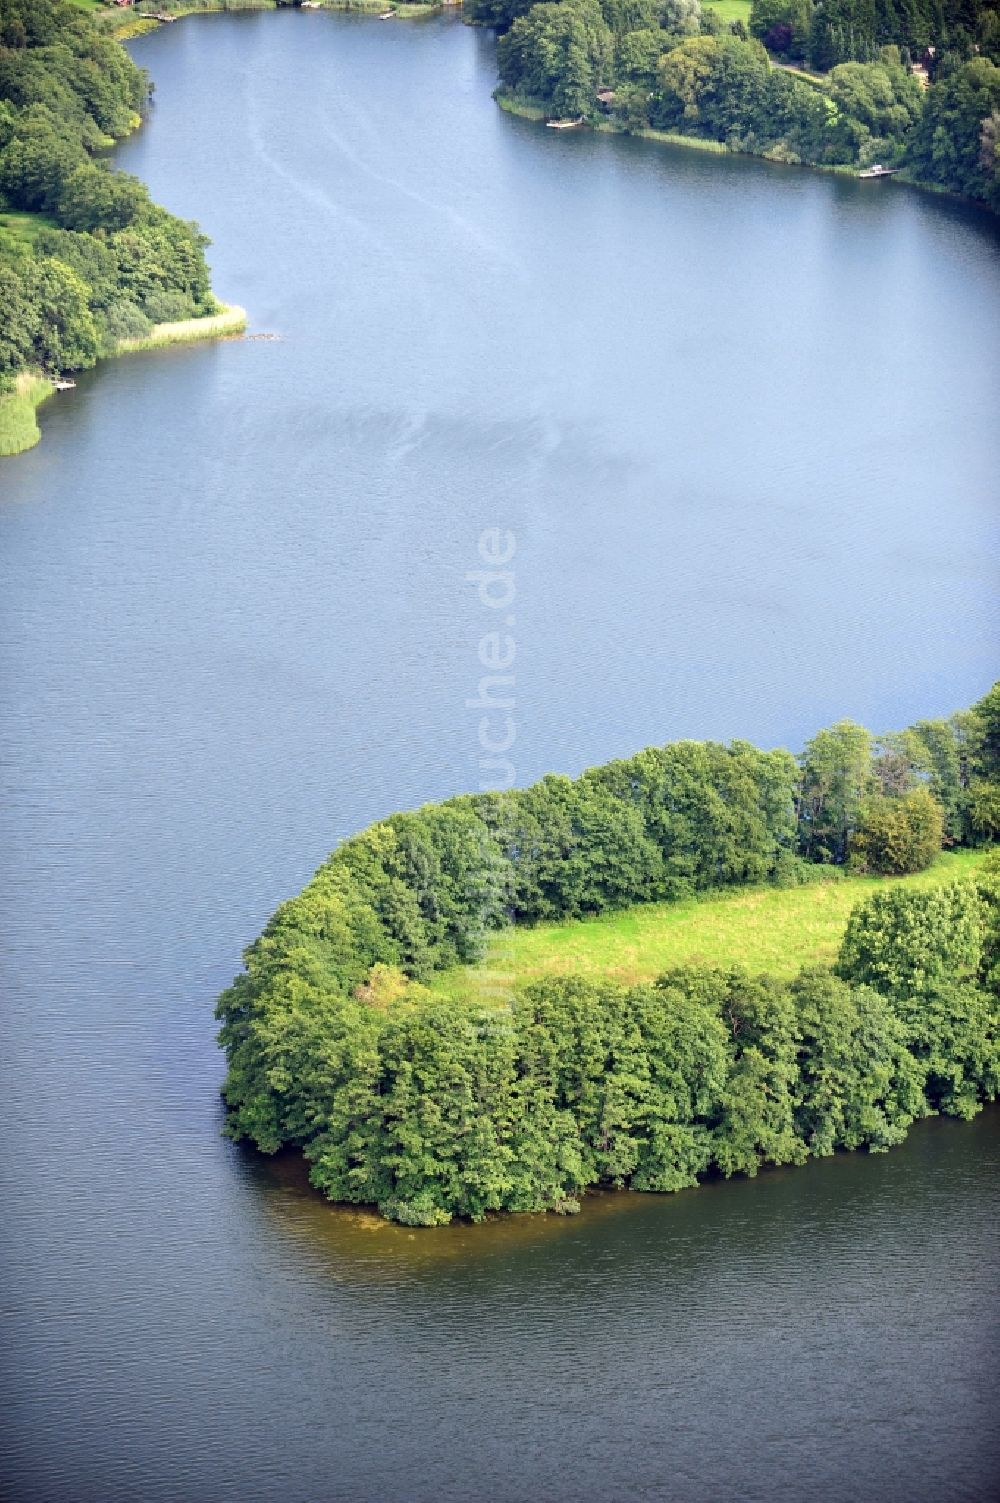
(878, 171)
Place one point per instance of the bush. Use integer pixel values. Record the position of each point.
(795, 871)
(988, 887)
(897, 835)
(952, 1034)
(167, 307)
(121, 320)
(984, 810)
(900, 941)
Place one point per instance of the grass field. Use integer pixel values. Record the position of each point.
(771, 929)
(23, 227)
(730, 10)
(817, 80)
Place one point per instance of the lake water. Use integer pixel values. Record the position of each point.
(739, 420)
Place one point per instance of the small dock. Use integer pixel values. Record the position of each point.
(565, 124)
(878, 171)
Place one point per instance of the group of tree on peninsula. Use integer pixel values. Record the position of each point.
(86, 258)
(913, 85)
(431, 1108)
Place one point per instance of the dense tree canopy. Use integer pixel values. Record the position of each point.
(782, 25)
(955, 142)
(431, 1109)
(934, 955)
(560, 53)
(855, 30)
(89, 260)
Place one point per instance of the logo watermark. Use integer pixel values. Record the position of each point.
(496, 700)
(495, 707)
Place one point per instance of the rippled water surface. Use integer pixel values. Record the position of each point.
(740, 421)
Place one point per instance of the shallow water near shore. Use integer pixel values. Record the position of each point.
(740, 421)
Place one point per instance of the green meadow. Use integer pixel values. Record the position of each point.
(767, 929)
(731, 10)
(22, 227)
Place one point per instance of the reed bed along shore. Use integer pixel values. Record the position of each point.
(19, 428)
(230, 320)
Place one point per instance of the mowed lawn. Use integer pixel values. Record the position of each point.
(730, 10)
(771, 929)
(23, 227)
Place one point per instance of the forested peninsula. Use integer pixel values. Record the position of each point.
(89, 265)
(904, 85)
(519, 1097)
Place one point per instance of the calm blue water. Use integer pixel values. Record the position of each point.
(739, 421)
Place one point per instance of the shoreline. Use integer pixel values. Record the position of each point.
(139, 25)
(19, 428)
(230, 321)
(539, 115)
(131, 25)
